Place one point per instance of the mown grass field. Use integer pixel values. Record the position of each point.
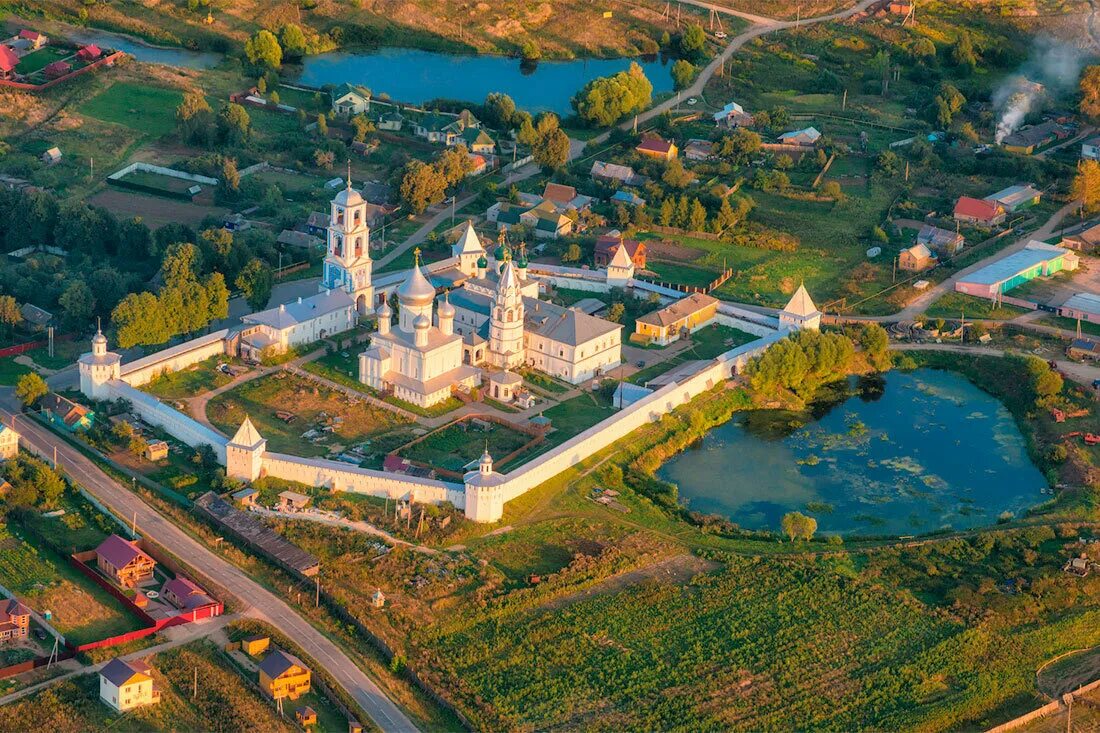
(955, 305)
(195, 380)
(145, 109)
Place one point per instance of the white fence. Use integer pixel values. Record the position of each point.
(144, 370)
(169, 419)
(171, 172)
(347, 477)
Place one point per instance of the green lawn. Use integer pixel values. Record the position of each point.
(38, 60)
(1070, 324)
(195, 380)
(147, 109)
(10, 372)
(955, 305)
(707, 343)
(157, 181)
(577, 415)
(454, 446)
(682, 274)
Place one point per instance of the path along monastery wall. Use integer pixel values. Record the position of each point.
(622, 423)
(346, 477)
(145, 370)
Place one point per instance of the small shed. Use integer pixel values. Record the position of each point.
(254, 646)
(292, 501)
(246, 497)
(306, 715)
(51, 156)
(378, 599)
(503, 385)
(156, 450)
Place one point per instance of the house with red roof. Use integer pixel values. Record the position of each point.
(124, 562)
(656, 147)
(34, 39)
(978, 212)
(57, 69)
(8, 62)
(185, 594)
(90, 52)
(608, 244)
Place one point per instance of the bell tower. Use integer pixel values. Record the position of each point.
(347, 262)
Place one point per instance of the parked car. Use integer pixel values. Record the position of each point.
(640, 363)
(720, 35)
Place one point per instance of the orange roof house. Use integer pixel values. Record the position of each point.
(123, 561)
(15, 619)
(8, 61)
(977, 211)
(656, 147)
(283, 675)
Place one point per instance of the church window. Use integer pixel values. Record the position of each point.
(357, 217)
(338, 246)
(339, 216)
(358, 245)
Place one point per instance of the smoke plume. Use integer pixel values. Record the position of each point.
(1052, 68)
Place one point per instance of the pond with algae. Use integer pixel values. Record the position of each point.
(905, 454)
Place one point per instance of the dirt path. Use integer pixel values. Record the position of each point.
(1069, 672)
(677, 570)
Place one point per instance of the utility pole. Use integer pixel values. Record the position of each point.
(49, 332)
(844, 101)
(317, 590)
(91, 168)
(133, 523)
(195, 684)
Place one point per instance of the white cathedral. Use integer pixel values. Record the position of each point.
(492, 321)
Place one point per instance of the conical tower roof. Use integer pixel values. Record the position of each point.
(247, 435)
(468, 243)
(801, 304)
(621, 258)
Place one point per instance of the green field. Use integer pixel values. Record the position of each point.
(170, 184)
(459, 443)
(194, 380)
(146, 109)
(40, 59)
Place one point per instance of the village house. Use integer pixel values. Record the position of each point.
(301, 240)
(157, 450)
(985, 214)
(317, 224)
(614, 173)
(1081, 306)
(677, 320)
(391, 121)
(246, 497)
(306, 716)
(349, 100)
(9, 443)
(1090, 149)
(552, 224)
(124, 562)
(627, 198)
(916, 258)
(806, 137)
(282, 675)
(378, 599)
(56, 69)
(185, 594)
(405, 467)
(1037, 259)
(732, 115)
(91, 52)
(944, 242)
(1086, 241)
(700, 150)
(1083, 349)
(608, 244)
(656, 147)
(33, 39)
(292, 501)
(565, 198)
(15, 620)
(38, 319)
(478, 141)
(66, 414)
(8, 62)
(127, 685)
(1030, 139)
(1014, 198)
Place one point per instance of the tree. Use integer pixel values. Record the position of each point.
(692, 41)
(499, 109)
(530, 51)
(784, 162)
(30, 389)
(832, 190)
(293, 41)
(231, 178)
(881, 63)
(256, 280)
(551, 145)
(421, 186)
(217, 297)
(1086, 185)
(697, 222)
(263, 49)
(527, 134)
(194, 118)
(234, 124)
(682, 73)
(963, 54)
(923, 50)
(134, 239)
(676, 176)
(10, 314)
(274, 97)
(322, 125)
(667, 213)
(181, 263)
(1045, 382)
(888, 162)
(572, 253)
(797, 525)
(615, 312)
(606, 100)
(453, 165)
(137, 445)
(362, 126)
(77, 303)
(324, 158)
(739, 145)
(875, 343)
(1090, 93)
(948, 102)
(725, 218)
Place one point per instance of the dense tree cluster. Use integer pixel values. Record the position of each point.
(606, 100)
(423, 184)
(33, 483)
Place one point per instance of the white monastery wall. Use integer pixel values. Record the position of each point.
(346, 477)
(169, 419)
(145, 370)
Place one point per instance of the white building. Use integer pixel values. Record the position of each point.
(127, 685)
(347, 264)
(800, 312)
(97, 368)
(289, 325)
(419, 361)
(484, 492)
(620, 270)
(349, 100)
(9, 443)
(1090, 149)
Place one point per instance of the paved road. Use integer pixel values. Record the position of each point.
(260, 603)
(765, 26)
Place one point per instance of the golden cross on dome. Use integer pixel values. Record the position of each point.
(349, 174)
(416, 256)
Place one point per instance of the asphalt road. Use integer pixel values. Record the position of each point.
(259, 602)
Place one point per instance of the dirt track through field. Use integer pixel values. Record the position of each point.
(677, 570)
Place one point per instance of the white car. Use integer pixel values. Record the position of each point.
(692, 101)
(720, 35)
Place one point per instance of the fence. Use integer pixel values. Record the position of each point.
(118, 178)
(1049, 709)
(36, 663)
(105, 61)
(709, 236)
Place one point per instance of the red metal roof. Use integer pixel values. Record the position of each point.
(30, 35)
(976, 208)
(118, 552)
(655, 145)
(91, 51)
(8, 59)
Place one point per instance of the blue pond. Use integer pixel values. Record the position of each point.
(415, 76)
(915, 453)
(144, 52)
